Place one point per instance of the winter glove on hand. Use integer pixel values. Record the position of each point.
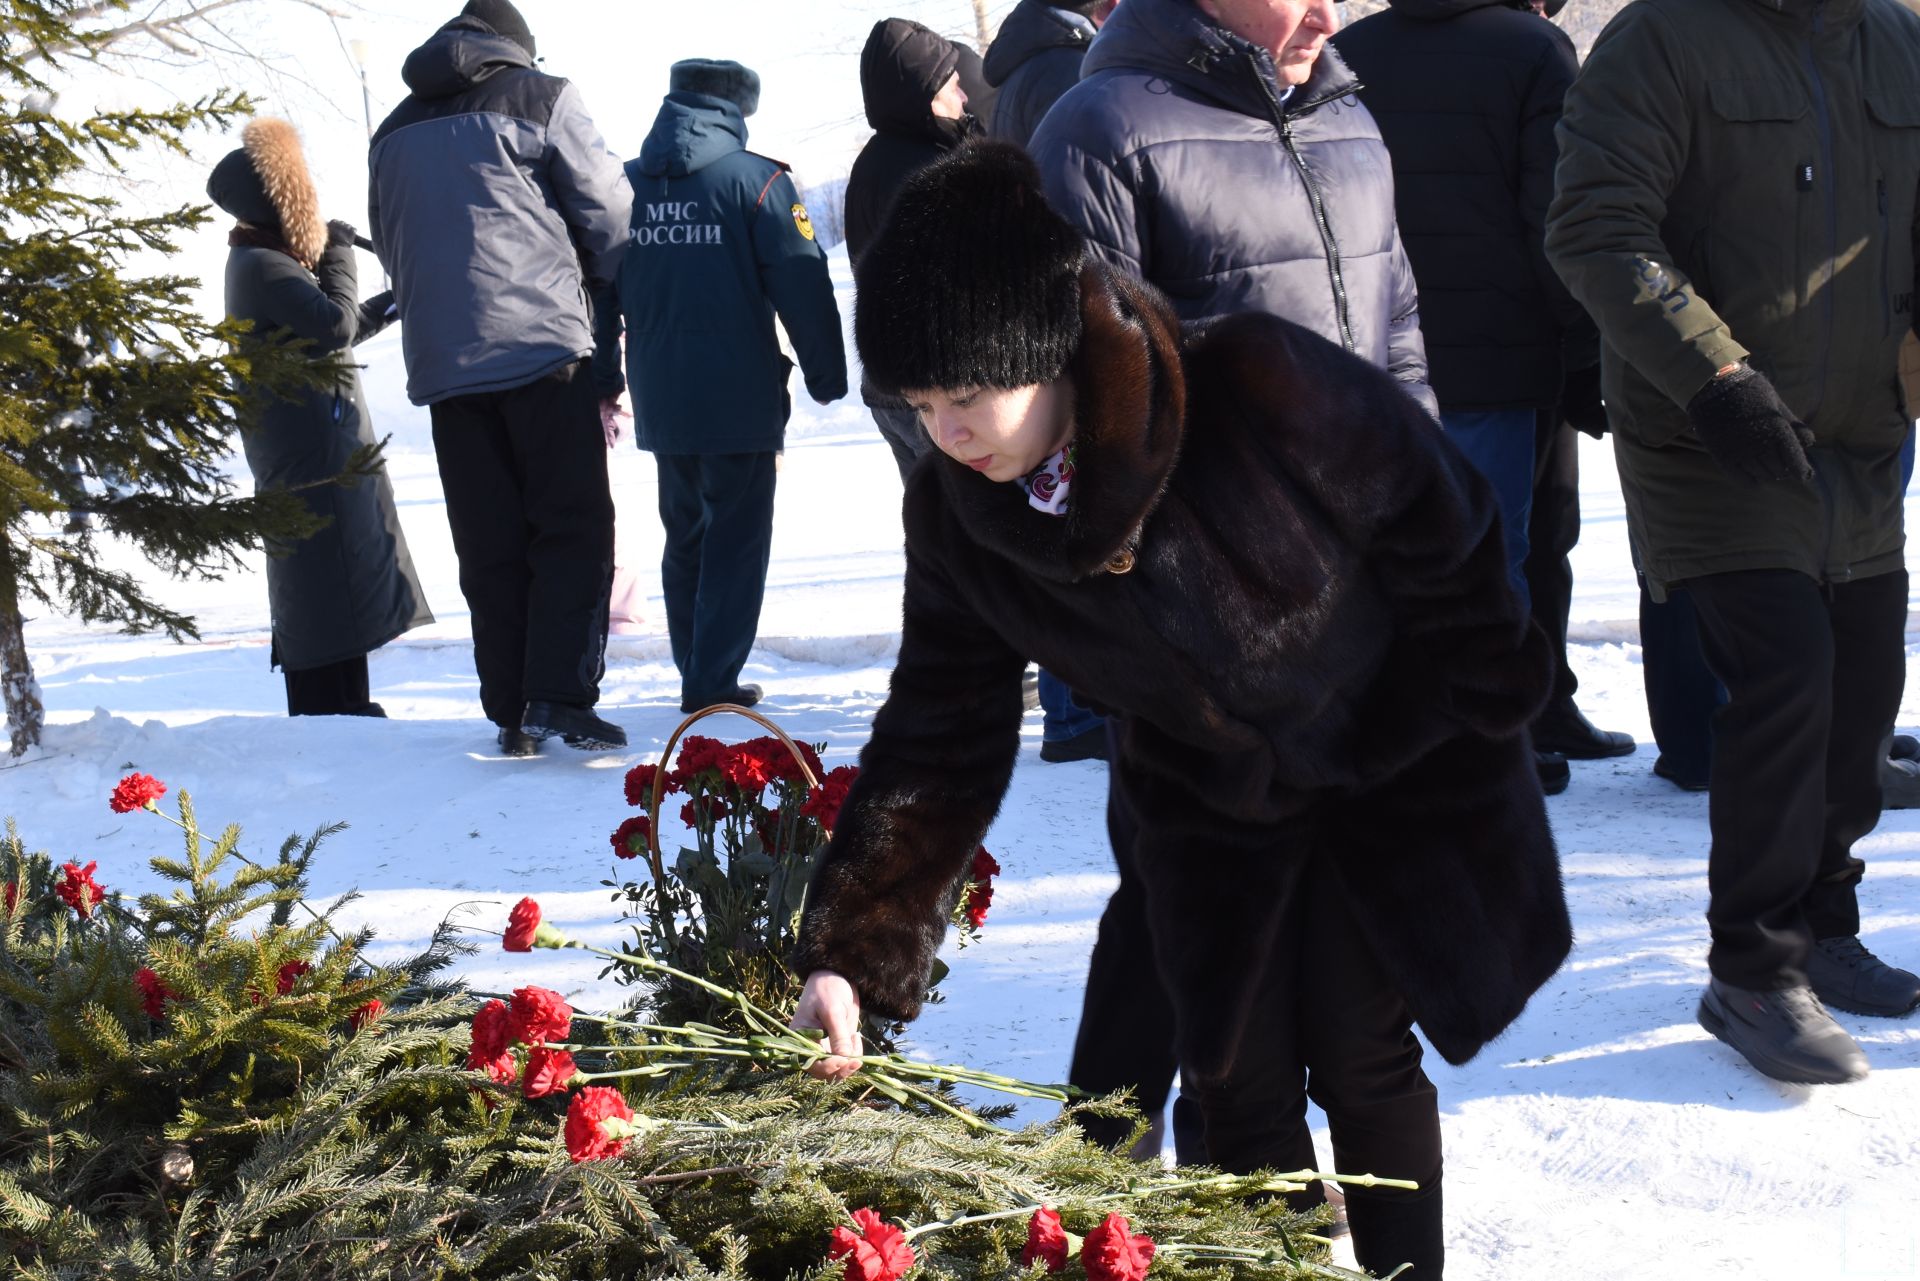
(340, 235)
(610, 420)
(1749, 430)
(1580, 403)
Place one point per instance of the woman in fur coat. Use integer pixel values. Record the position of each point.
(350, 588)
(1259, 555)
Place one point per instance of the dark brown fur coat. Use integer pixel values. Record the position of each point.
(1313, 654)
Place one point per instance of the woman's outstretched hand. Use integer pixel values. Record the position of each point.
(828, 1002)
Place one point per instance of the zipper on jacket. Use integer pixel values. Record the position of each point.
(1823, 114)
(1886, 263)
(1315, 198)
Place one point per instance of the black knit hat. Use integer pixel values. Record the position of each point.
(717, 79)
(505, 21)
(237, 188)
(974, 280)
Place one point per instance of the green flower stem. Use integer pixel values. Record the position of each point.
(966, 1221)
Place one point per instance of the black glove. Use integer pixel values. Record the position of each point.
(1580, 403)
(1749, 430)
(340, 235)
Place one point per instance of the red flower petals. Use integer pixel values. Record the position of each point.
(824, 802)
(492, 1050)
(1046, 1241)
(136, 792)
(154, 992)
(522, 922)
(548, 1072)
(630, 838)
(289, 975)
(877, 1252)
(77, 890)
(538, 1014)
(587, 1111)
(1113, 1253)
(365, 1014)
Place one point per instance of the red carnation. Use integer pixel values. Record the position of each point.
(984, 864)
(824, 802)
(136, 792)
(630, 838)
(1112, 1253)
(548, 1072)
(640, 784)
(697, 756)
(13, 898)
(522, 922)
(492, 1050)
(980, 887)
(154, 992)
(538, 1015)
(877, 1252)
(77, 889)
(1046, 1241)
(587, 1138)
(782, 765)
(365, 1014)
(290, 974)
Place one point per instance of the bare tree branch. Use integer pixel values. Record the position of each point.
(173, 30)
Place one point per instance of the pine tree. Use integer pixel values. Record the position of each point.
(118, 400)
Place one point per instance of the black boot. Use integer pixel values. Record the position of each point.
(1392, 1227)
(577, 727)
(1555, 774)
(1564, 729)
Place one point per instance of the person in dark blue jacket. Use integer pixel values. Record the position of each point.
(1035, 57)
(720, 243)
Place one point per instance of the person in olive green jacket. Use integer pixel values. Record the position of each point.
(1736, 207)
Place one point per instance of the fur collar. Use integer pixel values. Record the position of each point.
(274, 148)
(1130, 398)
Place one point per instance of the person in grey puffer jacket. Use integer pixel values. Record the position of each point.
(1215, 149)
(1035, 58)
(1192, 160)
(496, 209)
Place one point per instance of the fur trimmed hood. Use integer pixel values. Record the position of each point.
(265, 183)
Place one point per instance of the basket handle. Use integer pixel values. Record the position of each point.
(666, 757)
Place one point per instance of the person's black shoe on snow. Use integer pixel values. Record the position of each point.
(1564, 729)
(514, 742)
(739, 696)
(1662, 768)
(1089, 745)
(1848, 977)
(1787, 1035)
(1555, 773)
(577, 727)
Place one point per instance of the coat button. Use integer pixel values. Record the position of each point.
(1122, 561)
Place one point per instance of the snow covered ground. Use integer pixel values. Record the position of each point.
(1604, 1136)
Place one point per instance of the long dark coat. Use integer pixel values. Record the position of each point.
(350, 588)
(1289, 591)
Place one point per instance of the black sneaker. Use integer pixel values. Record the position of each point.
(1563, 729)
(577, 727)
(1663, 770)
(1848, 977)
(1554, 771)
(514, 742)
(1899, 784)
(1088, 745)
(739, 696)
(1904, 747)
(1787, 1035)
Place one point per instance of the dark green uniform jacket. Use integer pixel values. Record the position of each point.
(1739, 179)
(719, 243)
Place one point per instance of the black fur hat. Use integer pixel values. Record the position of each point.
(737, 84)
(505, 21)
(974, 280)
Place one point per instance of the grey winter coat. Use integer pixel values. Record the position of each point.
(496, 208)
(1033, 60)
(350, 588)
(1178, 159)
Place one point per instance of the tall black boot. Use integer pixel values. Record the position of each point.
(1391, 1228)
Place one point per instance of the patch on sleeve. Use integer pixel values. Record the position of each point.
(802, 221)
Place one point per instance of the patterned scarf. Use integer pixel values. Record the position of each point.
(1047, 484)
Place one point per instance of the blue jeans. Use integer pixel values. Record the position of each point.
(1061, 718)
(1499, 443)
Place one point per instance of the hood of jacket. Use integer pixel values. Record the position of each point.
(459, 56)
(691, 132)
(1031, 29)
(1441, 10)
(266, 183)
(1172, 39)
(901, 69)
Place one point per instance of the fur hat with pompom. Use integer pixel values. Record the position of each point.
(973, 281)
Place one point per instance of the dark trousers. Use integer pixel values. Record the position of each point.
(900, 428)
(525, 475)
(337, 689)
(1814, 676)
(1553, 530)
(1683, 694)
(1334, 1032)
(718, 514)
